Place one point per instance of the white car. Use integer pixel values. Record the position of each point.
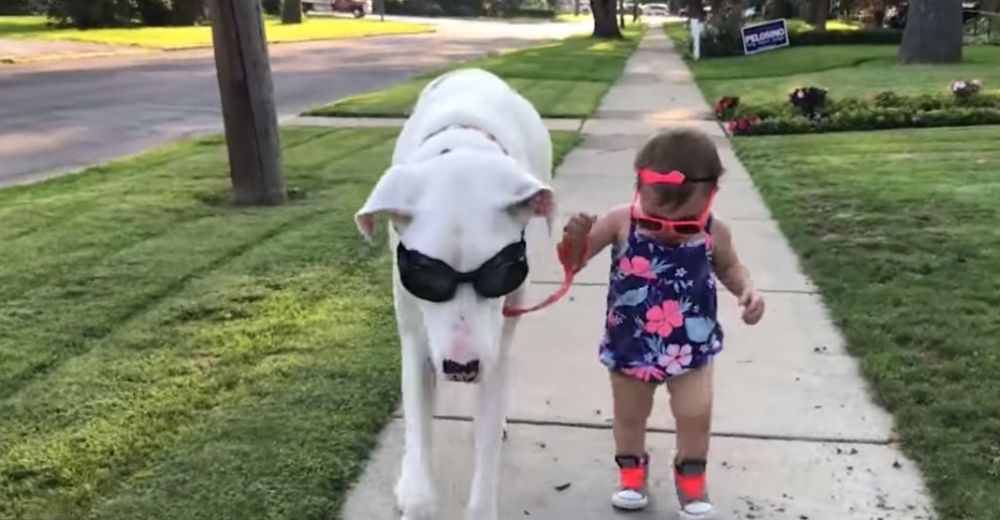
(655, 10)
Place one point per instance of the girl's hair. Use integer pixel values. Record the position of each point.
(688, 151)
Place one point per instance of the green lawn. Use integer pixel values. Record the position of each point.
(847, 70)
(164, 354)
(562, 79)
(182, 37)
(900, 231)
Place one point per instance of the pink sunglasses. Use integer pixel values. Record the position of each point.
(653, 223)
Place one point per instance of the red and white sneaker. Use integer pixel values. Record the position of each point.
(692, 490)
(633, 471)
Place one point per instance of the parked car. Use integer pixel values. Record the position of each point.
(655, 10)
(358, 8)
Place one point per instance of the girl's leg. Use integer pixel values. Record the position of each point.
(633, 400)
(691, 404)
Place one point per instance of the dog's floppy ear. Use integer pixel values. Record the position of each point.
(533, 198)
(394, 195)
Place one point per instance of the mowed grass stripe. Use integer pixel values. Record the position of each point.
(32, 209)
(160, 376)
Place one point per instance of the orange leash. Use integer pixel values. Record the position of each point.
(568, 274)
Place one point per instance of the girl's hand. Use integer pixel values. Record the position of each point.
(753, 306)
(576, 236)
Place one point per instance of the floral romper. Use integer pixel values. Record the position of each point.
(662, 304)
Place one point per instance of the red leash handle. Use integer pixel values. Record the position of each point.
(562, 251)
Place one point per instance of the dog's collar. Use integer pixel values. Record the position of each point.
(488, 135)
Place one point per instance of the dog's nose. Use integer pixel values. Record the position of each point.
(461, 372)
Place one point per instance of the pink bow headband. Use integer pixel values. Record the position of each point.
(647, 176)
(675, 177)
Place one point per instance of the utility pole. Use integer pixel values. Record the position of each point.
(244, 73)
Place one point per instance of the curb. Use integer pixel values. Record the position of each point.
(136, 50)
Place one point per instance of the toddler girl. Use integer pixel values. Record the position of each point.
(661, 316)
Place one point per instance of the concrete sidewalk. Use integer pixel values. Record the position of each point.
(796, 435)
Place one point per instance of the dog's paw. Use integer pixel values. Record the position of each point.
(415, 496)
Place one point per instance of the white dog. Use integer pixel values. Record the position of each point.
(471, 167)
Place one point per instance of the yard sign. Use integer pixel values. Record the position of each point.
(765, 36)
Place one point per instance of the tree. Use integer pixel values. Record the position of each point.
(696, 9)
(933, 32)
(291, 11)
(251, 123)
(605, 21)
(820, 12)
(781, 9)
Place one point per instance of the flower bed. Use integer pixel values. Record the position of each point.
(809, 110)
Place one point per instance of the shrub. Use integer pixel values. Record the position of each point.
(965, 88)
(112, 13)
(154, 12)
(858, 37)
(884, 110)
(16, 7)
(726, 106)
(86, 14)
(811, 101)
(717, 42)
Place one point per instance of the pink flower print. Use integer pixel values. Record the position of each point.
(614, 319)
(676, 359)
(663, 319)
(646, 372)
(636, 266)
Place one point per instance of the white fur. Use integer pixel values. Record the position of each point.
(459, 196)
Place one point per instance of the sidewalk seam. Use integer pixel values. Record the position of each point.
(815, 439)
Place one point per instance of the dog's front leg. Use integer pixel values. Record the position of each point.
(415, 490)
(489, 421)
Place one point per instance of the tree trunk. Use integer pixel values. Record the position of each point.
(291, 11)
(820, 12)
(782, 9)
(621, 13)
(605, 21)
(251, 124)
(695, 9)
(635, 11)
(933, 32)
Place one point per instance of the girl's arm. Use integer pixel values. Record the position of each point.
(728, 268)
(733, 274)
(594, 233)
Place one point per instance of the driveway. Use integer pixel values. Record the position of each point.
(61, 116)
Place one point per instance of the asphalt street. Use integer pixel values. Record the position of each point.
(57, 117)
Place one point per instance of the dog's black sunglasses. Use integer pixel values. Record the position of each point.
(432, 280)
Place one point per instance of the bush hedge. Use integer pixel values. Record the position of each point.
(86, 14)
(16, 7)
(722, 43)
(882, 111)
(858, 37)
